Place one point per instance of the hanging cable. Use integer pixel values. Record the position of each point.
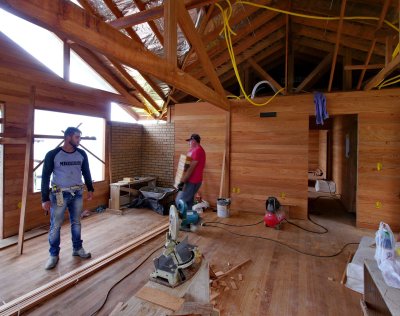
(228, 32)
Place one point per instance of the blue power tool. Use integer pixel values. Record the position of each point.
(190, 219)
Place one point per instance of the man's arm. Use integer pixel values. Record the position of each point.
(86, 173)
(48, 167)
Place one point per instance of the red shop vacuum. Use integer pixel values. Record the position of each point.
(274, 215)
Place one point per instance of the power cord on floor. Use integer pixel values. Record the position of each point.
(307, 230)
(254, 224)
(123, 278)
(233, 225)
(286, 245)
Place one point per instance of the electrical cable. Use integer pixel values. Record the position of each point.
(286, 245)
(245, 225)
(227, 31)
(123, 278)
(307, 230)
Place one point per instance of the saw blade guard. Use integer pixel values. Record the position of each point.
(174, 223)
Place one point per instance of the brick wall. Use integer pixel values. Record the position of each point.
(158, 153)
(139, 150)
(126, 143)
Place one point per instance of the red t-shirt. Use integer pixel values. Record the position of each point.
(197, 154)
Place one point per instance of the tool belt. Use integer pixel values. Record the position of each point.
(58, 191)
(77, 187)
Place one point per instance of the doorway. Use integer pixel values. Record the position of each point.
(332, 161)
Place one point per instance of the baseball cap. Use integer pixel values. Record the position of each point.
(196, 137)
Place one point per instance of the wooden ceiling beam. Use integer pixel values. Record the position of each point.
(87, 30)
(266, 43)
(361, 67)
(329, 37)
(349, 28)
(347, 76)
(270, 53)
(118, 14)
(137, 86)
(66, 60)
(265, 75)
(142, 7)
(372, 47)
(337, 43)
(201, 29)
(89, 8)
(316, 73)
(325, 47)
(153, 14)
(188, 28)
(171, 31)
(265, 35)
(250, 29)
(383, 73)
(242, 15)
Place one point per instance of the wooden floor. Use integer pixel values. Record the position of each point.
(278, 281)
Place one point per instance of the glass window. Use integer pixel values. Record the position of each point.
(53, 124)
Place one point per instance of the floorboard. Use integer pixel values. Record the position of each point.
(277, 281)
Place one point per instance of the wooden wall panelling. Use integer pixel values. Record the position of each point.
(338, 158)
(378, 191)
(323, 151)
(269, 157)
(313, 150)
(210, 123)
(283, 160)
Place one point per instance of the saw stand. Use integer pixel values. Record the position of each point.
(191, 297)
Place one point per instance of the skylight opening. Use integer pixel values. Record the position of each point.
(34, 41)
(82, 73)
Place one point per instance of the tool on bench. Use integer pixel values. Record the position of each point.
(274, 215)
(179, 260)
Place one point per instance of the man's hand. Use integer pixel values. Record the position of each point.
(89, 195)
(180, 186)
(46, 206)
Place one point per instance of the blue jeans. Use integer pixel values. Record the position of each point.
(188, 193)
(74, 202)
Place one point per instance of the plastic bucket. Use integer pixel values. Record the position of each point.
(223, 207)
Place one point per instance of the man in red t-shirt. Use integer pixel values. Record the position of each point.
(193, 177)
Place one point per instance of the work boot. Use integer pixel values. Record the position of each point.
(51, 262)
(81, 253)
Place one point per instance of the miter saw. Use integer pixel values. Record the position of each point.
(179, 260)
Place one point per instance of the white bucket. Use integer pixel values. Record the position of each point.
(223, 207)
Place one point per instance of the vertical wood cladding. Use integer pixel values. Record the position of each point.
(209, 122)
(269, 156)
(313, 150)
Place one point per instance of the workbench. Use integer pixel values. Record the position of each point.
(379, 298)
(130, 186)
